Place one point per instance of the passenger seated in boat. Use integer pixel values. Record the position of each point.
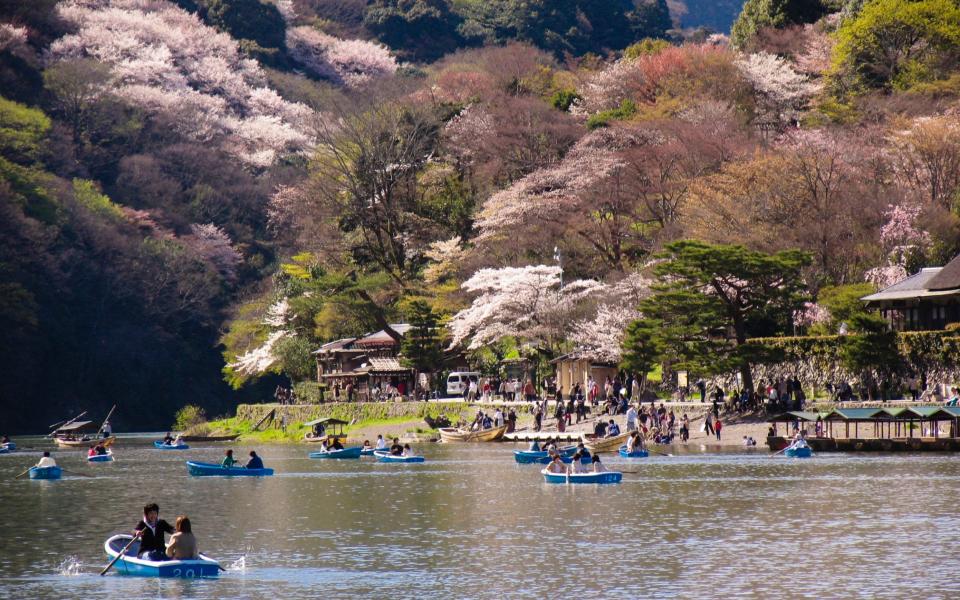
(101, 449)
(335, 445)
(576, 465)
(632, 442)
(92, 451)
(179, 440)
(183, 545)
(600, 429)
(557, 466)
(597, 465)
(534, 446)
(228, 460)
(151, 529)
(168, 439)
(366, 445)
(46, 461)
(407, 450)
(613, 429)
(396, 449)
(487, 422)
(255, 461)
(381, 443)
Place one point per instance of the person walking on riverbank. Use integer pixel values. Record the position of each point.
(717, 427)
(537, 418)
(708, 424)
(632, 418)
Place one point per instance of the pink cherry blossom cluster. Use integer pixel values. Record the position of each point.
(352, 63)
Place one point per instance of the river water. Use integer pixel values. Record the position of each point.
(470, 523)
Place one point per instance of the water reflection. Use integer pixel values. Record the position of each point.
(471, 523)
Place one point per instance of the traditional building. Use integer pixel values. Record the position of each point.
(927, 300)
(365, 367)
(576, 368)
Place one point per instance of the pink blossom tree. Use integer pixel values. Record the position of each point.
(349, 62)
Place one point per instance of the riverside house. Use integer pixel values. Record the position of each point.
(926, 301)
(370, 364)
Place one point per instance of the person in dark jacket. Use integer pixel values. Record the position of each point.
(151, 529)
(255, 462)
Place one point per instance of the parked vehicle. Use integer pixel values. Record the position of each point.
(458, 382)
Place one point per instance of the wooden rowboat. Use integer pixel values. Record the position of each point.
(160, 445)
(387, 457)
(129, 564)
(450, 434)
(84, 443)
(45, 472)
(607, 444)
(345, 453)
(604, 477)
(635, 454)
(199, 469)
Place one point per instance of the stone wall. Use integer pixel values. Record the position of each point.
(353, 411)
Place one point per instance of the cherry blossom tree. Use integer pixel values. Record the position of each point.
(349, 62)
(164, 60)
(214, 245)
(524, 302)
(781, 91)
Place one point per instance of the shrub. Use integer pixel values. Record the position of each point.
(189, 416)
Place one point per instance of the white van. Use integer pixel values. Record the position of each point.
(458, 382)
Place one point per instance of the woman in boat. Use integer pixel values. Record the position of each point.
(407, 450)
(576, 465)
(597, 465)
(632, 442)
(367, 445)
(556, 465)
(92, 451)
(151, 529)
(228, 460)
(183, 544)
(255, 461)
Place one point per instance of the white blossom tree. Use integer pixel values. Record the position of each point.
(780, 90)
(349, 62)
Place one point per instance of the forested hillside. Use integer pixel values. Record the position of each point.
(198, 193)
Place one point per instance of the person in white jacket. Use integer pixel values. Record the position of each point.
(46, 461)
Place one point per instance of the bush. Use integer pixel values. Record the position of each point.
(189, 416)
(627, 109)
(562, 99)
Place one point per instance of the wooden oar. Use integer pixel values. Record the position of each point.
(784, 449)
(660, 453)
(122, 552)
(24, 473)
(75, 473)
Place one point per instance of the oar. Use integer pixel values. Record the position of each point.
(122, 552)
(784, 449)
(75, 473)
(660, 453)
(24, 473)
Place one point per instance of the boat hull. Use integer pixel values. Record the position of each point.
(108, 457)
(450, 434)
(159, 445)
(367, 451)
(345, 453)
(610, 444)
(527, 458)
(9, 446)
(4, 450)
(84, 443)
(45, 472)
(129, 564)
(798, 452)
(635, 454)
(198, 469)
(605, 477)
(389, 458)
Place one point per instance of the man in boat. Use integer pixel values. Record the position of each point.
(151, 529)
(335, 444)
(168, 439)
(256, 462)
(613, 429)
(107, 429)
(381, 443)
(46, 461)
(396, 449)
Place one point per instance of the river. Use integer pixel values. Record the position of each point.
(470, 523)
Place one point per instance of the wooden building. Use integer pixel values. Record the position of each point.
(926, 301)
(369, 365)
(577, 368)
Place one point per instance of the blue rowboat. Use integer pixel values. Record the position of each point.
(101, 457)
(45, 472)
(634, 454)
(525, 457)
(159, 445)
(199, 469)
(546, 459)
(390, 458)
(345, 453)
(4, 450)
(604, 477)
(804, 452)
(129, 564)
(9, 446)
(367, 451)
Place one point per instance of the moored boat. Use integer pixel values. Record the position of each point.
(83, 441)
(802, 452)
(199, 469)
(345, 453)
(604, 477)
(606, 444)
(325, 429)
(451, 434)
(158, 444)
(130, 564)
(45, 472)
(108, 457)
(525, 457)
(391, 458)
(635, 454)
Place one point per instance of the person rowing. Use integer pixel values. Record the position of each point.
(396, 449)
(168, 439)
(582, 449)
(255, 461)
(46, 461)
(151, 529)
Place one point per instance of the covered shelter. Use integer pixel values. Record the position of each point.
(927, 300)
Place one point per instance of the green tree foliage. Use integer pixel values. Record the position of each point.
(700, 316)
(566, 26)
(189, 416)
(873, 348)
(627, 109)
(760, 14)
(844, 304)
(645, 47)
(252, 20)
(421, 346)
(418, 30)
(899, 43)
